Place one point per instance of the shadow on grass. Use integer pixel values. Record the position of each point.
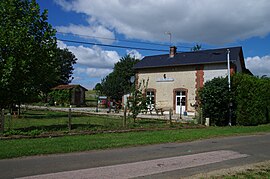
(61, 127)
(49, 115)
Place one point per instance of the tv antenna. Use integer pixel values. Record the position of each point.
(170, 35)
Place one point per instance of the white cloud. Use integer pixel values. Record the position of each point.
(93, 57)
(92, 62)
(135, 54)
(204, 21)
(259, 66)
(93, 72)
(98, 32)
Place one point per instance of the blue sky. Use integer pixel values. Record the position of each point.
(229, 23)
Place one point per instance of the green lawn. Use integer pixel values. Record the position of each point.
(27, 147)
(50, 121)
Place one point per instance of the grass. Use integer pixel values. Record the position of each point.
(50, 121)
(261, 171)
(38, 146)
(36, 122)
(90, 95)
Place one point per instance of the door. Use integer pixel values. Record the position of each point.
(180, 102)
(150, 95)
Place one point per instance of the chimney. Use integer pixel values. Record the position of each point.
(172, 51)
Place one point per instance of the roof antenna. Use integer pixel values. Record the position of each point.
(170, 34)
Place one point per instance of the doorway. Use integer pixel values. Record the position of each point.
(180, 100)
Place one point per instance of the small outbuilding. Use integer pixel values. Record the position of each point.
(77, 93)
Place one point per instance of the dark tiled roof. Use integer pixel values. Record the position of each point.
(190, 58)
(62, 87)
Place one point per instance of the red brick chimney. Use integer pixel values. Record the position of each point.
(172, 51)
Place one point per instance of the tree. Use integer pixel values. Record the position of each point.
(28, 50)
(138, 101)
(215, 98)
(197, 47)
(98, 88)
(66, 60)
(117, 83)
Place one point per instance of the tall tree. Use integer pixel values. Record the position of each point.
(117, 83)
(66, 60)
(27, 52)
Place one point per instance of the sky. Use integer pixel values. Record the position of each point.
(145, 27)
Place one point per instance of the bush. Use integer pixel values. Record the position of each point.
(61, 97)
(252, 96)
(215, 98)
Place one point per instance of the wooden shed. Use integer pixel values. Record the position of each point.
(77, 93)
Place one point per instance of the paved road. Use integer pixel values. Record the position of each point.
(181, 159)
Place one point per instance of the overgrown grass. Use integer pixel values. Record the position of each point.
(262, 171)
(27, 147)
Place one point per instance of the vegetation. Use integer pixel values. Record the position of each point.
(30, 62)
(250, 98)
(50, 145)
(197, 47)
(42, 122)
(260, 171)
(117, 83)
(61, 96)
(214, 99)
(66, 60)
(138, 101)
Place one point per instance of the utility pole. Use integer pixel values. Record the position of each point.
(229, 85)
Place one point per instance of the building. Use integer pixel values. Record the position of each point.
(175, 78)
(77, 93)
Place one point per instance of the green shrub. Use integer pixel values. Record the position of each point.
(61, 97)
(252, 95)
(214, 98)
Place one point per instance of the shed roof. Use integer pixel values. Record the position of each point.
(62, 87)
(191, 58)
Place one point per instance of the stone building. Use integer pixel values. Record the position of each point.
(175, 78)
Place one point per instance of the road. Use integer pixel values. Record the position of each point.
(171, 160)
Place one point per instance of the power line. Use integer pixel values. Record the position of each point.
(114, 46)
(123, 40)
(114, 39)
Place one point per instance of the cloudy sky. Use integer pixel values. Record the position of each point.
(143, 23)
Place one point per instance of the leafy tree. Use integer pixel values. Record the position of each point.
(197, 47)
(98, 88)
(138, 101)
(66, 60)
(28, 51)
(215, 98)
(117, 83)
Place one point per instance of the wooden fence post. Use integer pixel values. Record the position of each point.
(170, 116)
(69, 118)
(125, 116)
(2, 122)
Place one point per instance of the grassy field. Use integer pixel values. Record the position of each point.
(27, 147)
(34, 123)
(50, 121)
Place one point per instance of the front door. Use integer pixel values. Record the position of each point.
(180, 102)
